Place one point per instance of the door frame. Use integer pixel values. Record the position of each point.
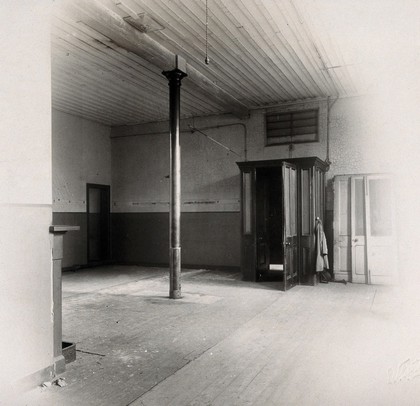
(107, 190)
(291, 261)
(248, 224)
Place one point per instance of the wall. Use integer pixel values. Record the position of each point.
(26, 338)
(210, 192)
(210, 179)
(355, 131)
(81, 153)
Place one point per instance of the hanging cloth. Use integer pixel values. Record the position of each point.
(321, 248)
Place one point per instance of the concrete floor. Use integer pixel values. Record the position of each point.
(229, 342)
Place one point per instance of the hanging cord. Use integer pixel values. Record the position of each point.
(207, 59)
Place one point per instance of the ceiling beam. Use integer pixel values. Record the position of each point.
(99, 17)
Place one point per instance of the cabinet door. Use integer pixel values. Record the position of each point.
(380, 226)
(262, 223)
(290, 231)
(350, 251)
(342, 228)
(359, 268)
(248, 248)
(364, 229)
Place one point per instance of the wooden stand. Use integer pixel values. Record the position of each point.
(58, 231)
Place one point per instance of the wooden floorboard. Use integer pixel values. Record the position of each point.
(229, 342)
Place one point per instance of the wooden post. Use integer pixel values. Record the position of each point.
(174, 77)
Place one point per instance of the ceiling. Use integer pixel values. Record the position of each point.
(262, 53)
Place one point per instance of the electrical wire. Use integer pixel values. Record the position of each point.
(193, 129)
(207, 60)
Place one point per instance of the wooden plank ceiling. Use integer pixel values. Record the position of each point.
(262, 53)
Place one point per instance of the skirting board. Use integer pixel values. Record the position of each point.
(37, 378)
(339, 276)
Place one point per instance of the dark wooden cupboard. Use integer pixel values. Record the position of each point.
(280, 201)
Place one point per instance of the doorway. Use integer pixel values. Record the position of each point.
(276, 224)
(269, 218)
(270, 224)
(98, 224)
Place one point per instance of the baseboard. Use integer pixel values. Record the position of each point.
(339, 276)
(75, 268)
(184, 266)
(37, 378)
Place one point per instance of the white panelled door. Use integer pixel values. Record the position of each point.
(364, 229)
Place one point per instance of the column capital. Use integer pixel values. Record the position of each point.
(174, 75)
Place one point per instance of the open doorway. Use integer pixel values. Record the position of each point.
(276, 224)
(269, 219)
(98, 224)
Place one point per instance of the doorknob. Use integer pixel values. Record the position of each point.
(287, 243)
(355, 240)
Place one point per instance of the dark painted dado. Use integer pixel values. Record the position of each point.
(207, 239)
(211, 239)
(75, 247)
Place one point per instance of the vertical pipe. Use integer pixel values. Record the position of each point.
(174, 77)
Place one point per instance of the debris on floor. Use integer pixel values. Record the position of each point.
(61, 382)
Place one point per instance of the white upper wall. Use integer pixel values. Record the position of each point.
(26, 323)
(25, 99)
(210, 176)
(81, 154)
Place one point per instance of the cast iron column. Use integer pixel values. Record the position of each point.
(174, 77)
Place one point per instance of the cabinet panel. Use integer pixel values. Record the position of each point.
(364, 243)
(380, 205)
(360, 261)
(343, 195)
(306, 225)
(307, 263)
(319, 193)
(342, 228)
(248, 239)
(380, 230)
(344, 263)
(247, 202)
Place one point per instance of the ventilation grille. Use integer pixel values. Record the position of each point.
(292, 127)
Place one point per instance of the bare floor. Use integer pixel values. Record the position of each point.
(229, 342)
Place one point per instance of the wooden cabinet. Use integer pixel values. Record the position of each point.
(364, 229)
(280, 200)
